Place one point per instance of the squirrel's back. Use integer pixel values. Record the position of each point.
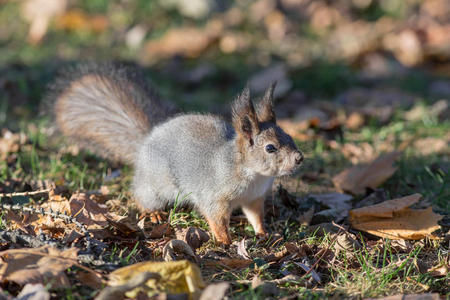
(107, 108)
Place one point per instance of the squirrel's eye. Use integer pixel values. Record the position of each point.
(271, 148)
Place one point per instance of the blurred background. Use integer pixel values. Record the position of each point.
(356, 78)
(379, 54)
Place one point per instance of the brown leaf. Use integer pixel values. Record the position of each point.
(356, 179)
(193, 236)
(44, 265)
(276, 256)
(87, 211)
(90, 279)
(235, 263)
(160, 231)
(177, 250)
(395, 220)
(125, 226)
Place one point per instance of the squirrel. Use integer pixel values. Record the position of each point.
(219, 166)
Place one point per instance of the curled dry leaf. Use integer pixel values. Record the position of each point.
(33, 292)
(175, 249)
(44, 265)
(193, 236)
(395, 220)
(175, 277)
(241, 250)
(360, 177)
(215, 291)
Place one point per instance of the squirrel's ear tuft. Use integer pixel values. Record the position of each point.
(265, 106)
(244, 116)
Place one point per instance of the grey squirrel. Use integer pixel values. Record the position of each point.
(217, 165)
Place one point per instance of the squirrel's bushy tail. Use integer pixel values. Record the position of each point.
(106, 108)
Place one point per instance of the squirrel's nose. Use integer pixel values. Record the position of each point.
(298, 157)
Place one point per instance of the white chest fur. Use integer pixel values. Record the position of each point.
(257, 188)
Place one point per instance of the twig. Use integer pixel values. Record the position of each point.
(15, 194)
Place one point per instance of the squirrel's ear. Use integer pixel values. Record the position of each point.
(244, 116)
(265, 106)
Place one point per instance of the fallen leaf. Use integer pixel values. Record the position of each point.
(10, 143)
(434, 296)
(160, 230)
(431, 145)
(356, 179)
(215, 291)
(231, 263)
(395, 220)
(264, 288)
(44, 265)
(90, 279)
(119, 291)
(193, 236)
(175, 249)
(39, 13)
(312, 272)
(439, 271)
(175, 277)
(242, 251)
(88, 212)
(33, 292)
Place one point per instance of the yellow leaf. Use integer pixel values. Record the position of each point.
(176, 277)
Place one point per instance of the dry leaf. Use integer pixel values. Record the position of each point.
(193, 236)
(176, 248)
(395, 220)
(411, 297)
(39, 13)
(215, 291)
(44, 265)
(241, 250)
(160, 230)
(439, 271)
(33, 292)
(235, 263)
(175, 277)
(90, 279)
(88, 212)
(10, 143)
(356, 179)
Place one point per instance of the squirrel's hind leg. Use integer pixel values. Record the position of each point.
(254, 211)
